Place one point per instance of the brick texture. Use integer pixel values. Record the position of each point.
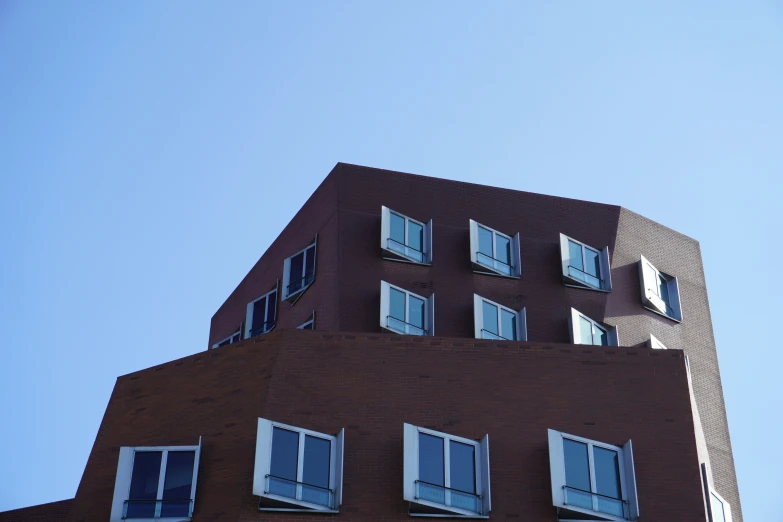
(51, 512)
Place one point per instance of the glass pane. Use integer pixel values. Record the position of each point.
(600, 337)
(585, 331)
(271, 315)
(397, 228)
(259, 315)
(178, 484)
(415, 236)
(575, 255)
(285, 454)
(296, 273)
(718, 515)
(592, 263)
(503, 249)
(577, 465)
(309, 265)
(144, 484)
(485, 241)
(317, 453)
(663, 290)
(490, 317)
(431, 465)
(397, 304)
(607, 472)
(463, 466)
(416, 311)
(508, 325)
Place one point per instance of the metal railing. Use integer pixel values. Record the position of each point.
(264, 328)
(300, 284)
(300, 491)
(448, 496)
(405, 250)
(583, 276)
(495, 264)
(404, 328)
(596, 502)
(486, 334)
(133, 508)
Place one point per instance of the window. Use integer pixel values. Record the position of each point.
(494, 321)
(231, 339)
(299, 272)
(261, 314)
(656, 343)
(719, 509)
(592, 478)
(586, 331)
(404, 312)
(584, 266)
(297, 469)
(445, 474)
(155, 483)
(309, 324)
(405, 239)
(660, 292)
(493, 252)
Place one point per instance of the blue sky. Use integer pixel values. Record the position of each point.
(151, 151)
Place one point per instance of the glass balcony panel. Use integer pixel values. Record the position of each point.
(432, 493)
(579, 499)
(175, 508)
(466, 501)
(611, 506)
(299, 491)
(316, 495)
(448, 497)
(404, 328)
(282, 487)
(492, 263)
(489, 335)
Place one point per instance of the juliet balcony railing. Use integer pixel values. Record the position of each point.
(495, 264)
(584, 277)
(448, 497)
(264, 328)
(486, 334)
(300, 284)
(406, 251)
(404, 328)
(596, 502)
(134, 508)
(299, 491)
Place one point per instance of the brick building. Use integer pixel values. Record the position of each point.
(567, 370)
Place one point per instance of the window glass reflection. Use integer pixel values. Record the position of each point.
(508, 324)
(485, 241)
(718, 515)
(397, 228)
(462, 459)
(490, 313)
(607, 472)
(585, 331)
(285, 454)
(415, 236)
(431, 461)
(416, 311)
(575, 255)
(577, 465)
(592, 263)
(502, 249)
(317, 453)
(144, 483)
(397, 304)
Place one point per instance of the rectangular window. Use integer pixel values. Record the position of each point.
(261, 314)
(660, 292)
(585, 266)
(590, 477)
(299, 272)
(494, 321)
(404, 238)
(155, 482)
(231, 339)
(406, 313)
(309, 324)
(587, 331)
(297, 469)
(445, 474)
(493, 252)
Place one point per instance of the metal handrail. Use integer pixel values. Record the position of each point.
(494, 259)
(624, 506)
(585, 273)
(403, 322)
(450, 489)
(496, 335)
(596, 494)
(299, 491)
(295, 482)
(298, 281)
(263, 328)
(406, 246)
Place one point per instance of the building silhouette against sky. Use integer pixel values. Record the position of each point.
(567, 369)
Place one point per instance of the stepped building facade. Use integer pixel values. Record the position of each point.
(567, 370)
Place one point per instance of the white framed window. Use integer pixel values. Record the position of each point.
(404, 238)
(493, 252)
(495, 321)
(299, 272)
(585, 266)
(156, 483)
(592, 478)
(231, 339)
(298, 469)
(656, 344)
(586, 331)
(309, 324)
(445, 474)
(719, 509)
(404, 312)
(660, 292)
(261, 314)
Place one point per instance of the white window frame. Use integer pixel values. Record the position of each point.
(481, 268)
(656, 343)
(429, 315)
(394, 255)
(411, 472)
(294, 296)
(725, 505)
(310, 321)
(251, 306)
(478, 319)
(237, 333)
(603, 255)
(122, 481)
(650, 298)
(263, 461)
(612, 332)
(557, 473)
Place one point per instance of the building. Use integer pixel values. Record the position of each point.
(566, 370)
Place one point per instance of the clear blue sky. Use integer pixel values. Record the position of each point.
(151, 151)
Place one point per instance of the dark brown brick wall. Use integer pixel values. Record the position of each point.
(51, 512)
(371, 384)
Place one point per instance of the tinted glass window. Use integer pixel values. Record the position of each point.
(397, 228)
(575, 255)
(577, 466)
(259, 314)
(600, 338)
(607, 472)
(415, 236)
(416, 311)
(310, 262)
(317, 452)
(718, 515)
(502, 249)
(297, 271)
(144, 483)
(463, 466)
(490, 313)
(431, 467)
(485, 241)
(509, 324)
(585, 331)
(592, 263)
(397, 304)
(285, 454)
(663, 289)
(272, 309)
(178, 484)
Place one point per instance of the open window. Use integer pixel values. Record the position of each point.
(592, 479)
(495, 321)
(585, 266)
(719, 509)
(660, 292)
(298, 469)
(404, 238)
(309, 324)
(299, 272)
(656, 344)
(261, 314)
(404, 312)
(231, 339)
(587, 331)
(495, 253)
(445, 474)
(156, 483)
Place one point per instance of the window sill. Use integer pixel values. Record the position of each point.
(483, 270)
(447, 511)
(390, 255)
(655, 310)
